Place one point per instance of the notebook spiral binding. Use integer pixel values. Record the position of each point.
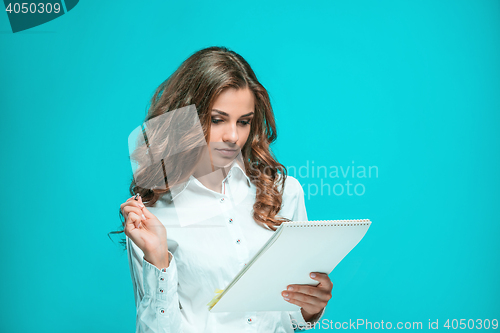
(336, 223)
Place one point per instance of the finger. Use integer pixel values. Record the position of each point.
(147, 213)
(134, 219)
(323, 296)
(303, 289)
(312, 301)
(308, 307)
(323, 279)
(130, 203)
(128, 209)
(130, 227)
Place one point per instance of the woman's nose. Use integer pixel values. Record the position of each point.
(231, 133)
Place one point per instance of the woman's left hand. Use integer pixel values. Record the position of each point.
(312, 300)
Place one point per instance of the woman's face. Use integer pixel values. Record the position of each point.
(231, 114)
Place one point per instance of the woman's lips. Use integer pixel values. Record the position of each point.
(227, 152)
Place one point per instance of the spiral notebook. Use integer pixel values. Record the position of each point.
(294, 250)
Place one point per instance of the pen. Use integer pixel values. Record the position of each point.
(135, 198)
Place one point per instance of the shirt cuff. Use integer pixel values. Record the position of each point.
(159, 282)
(300, 324)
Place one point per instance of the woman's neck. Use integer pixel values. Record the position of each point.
(212, 180)
(212, 176)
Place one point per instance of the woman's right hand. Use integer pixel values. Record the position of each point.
(146, 231)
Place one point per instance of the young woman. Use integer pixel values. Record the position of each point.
(176, 265)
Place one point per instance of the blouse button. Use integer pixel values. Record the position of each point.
(230, 220)
(161, 290)
(163, 270)
(221, 200)
(162, 310)
(162, 279)
(249, 320)
(238, 241)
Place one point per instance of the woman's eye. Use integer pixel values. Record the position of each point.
(245, 122)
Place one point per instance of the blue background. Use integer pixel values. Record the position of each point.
(412, 88)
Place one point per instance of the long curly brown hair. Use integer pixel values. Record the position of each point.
(200, 80)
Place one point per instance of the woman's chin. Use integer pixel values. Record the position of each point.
(220, 160)
(223, 162)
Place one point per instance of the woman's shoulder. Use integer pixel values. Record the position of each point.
(292, 204)
(293, 188)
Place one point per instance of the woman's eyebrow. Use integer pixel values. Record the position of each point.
(225, 114)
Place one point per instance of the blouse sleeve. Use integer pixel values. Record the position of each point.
(155, 293)
(300, 214)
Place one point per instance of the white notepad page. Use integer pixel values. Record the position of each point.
(294, 250)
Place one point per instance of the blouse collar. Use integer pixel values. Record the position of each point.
(236, 166)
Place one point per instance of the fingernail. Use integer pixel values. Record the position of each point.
(290, 288)
(313, 275)
(285, 294)
(139, 225)
(144, 217)
(287, 298)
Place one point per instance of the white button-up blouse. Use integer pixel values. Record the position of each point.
(203, 259)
